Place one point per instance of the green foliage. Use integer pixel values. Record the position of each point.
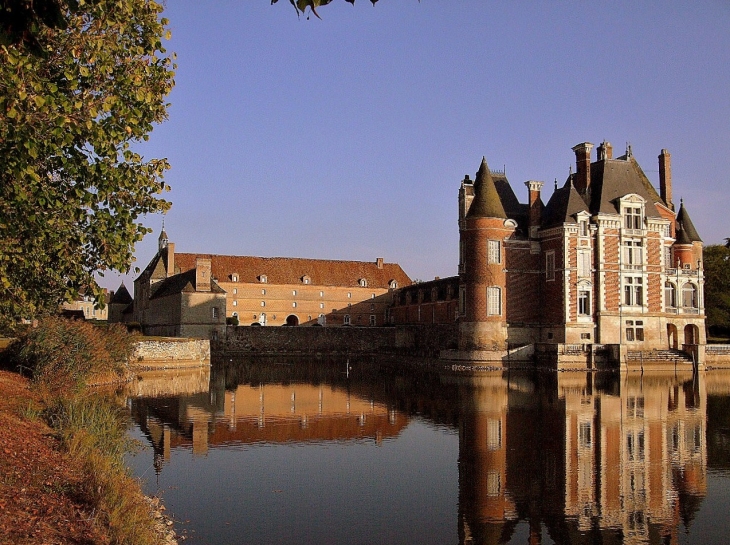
(717, 288)
(63, 354)
(232, 320)
(301, 5)
(72, 188)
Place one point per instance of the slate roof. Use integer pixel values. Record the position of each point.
(614, 178)
(562, 206)
(686, 232)
(121, 296)
(181, 283)
(287, 270)
(487, 202)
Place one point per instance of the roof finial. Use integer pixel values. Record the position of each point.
(629, 153)
(556, 184)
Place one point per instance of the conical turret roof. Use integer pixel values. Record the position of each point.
(686, 232)
(486, 203)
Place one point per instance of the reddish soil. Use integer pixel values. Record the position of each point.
(38, 481)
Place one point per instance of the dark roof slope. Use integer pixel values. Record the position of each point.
(686, 232)
(487, 202)
(615, 178)
(181, 283)
(562, 206)
(288, 270)
(121, 296)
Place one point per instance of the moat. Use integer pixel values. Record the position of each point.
(280, 450)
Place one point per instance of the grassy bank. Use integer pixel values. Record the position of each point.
(60, 358)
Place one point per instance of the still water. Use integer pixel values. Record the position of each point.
(275, 451)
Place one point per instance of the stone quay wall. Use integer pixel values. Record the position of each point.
(413, 340)
(166, 352)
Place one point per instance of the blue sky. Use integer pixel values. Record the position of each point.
(347, 137)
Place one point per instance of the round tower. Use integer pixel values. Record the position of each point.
(483, 324)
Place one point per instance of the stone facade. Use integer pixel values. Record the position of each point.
(193, 295)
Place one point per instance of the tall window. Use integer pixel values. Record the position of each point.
(670, 295)
(494, 301)
(633, 254)
(372, 319)
(633, 219)
(584, 263)
(584, 302)
(583, 228)
(346, 319)
(550, 266)
(462, 301)
(633, 291)
(215, 313)
(689, 296)
(495, 251)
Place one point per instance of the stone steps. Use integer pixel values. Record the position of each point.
(673, 356)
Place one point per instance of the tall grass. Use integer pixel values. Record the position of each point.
(94, 430)
(62, 356)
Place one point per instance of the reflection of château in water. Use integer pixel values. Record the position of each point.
(265, 413)
(620, 462)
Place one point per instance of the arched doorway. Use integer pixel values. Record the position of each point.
(292, 320)
(691, 334)
(672, 336)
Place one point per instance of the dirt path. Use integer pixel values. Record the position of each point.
(38, 503)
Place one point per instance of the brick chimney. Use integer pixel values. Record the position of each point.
(379, 262)
(170, 259)
(534, 204)
(202, 274)
(665, 178)
(605, 151)
(583, 166)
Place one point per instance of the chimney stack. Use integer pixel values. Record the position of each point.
(605, 151)
(665, 178)
(583, 166)
(379, 262)
(202, 274)
(534, 205)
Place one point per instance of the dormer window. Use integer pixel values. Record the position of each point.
(633, 218)
(362, 283)
(263, 279)
(306, 279)
(393, 284)
(234, 277)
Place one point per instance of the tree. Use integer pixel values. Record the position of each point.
(301, 5)
(73, 101)
(717, 288)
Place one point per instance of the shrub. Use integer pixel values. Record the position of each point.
(232, 320)
(63, 354)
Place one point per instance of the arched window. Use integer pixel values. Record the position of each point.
(670, 295)
(363, 283)
(346, 319)
(689, 296)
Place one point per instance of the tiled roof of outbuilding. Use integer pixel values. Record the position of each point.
(287, 270)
